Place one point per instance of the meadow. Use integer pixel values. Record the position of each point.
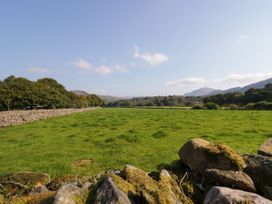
(113, 137)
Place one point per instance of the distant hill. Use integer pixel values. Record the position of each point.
(210, 91)
(105, 98)
(108, 99)
(258, 85)
(80, 93)
(201, 92)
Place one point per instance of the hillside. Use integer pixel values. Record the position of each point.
(210, 91)
(108, 98)
(201, 92)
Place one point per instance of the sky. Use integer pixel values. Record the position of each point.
(137, 48)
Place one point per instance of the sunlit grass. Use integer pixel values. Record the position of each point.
(114, 137)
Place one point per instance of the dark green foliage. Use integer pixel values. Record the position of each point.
(198, 107)
(225, 99)
(211, 106)
(21, 93)
(157, 101)
(262, 105)
(258, 99)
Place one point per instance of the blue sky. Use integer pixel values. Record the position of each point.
(137, 48)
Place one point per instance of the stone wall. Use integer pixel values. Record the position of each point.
(209, 173)
(10, 118)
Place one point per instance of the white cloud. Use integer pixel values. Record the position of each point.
(151, 58)
(247, 78)
(83, 64)
(225, 82)
(186, 81)
(240, 40)
(38, 70)
(103, 70)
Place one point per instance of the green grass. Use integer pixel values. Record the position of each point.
(114, 137)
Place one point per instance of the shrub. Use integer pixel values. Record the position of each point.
(262, 105)
(211, 106)
(197, 107)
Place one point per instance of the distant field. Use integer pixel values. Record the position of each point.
(113, 137)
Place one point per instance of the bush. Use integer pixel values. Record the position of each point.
(263, 105)
(211, 106)
(197, 107)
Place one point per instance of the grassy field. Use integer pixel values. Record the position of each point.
(111, 138)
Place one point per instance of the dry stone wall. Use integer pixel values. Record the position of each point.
(11, 118)
(226, 178)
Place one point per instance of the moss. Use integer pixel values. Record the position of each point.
(56, 183)
(217, 149)
(168, 181)
(81, 199)
(1, 199)
(138, 177)
(42, 199)
(152, 191)
(191, 191)
(30, 179)
(123, 184)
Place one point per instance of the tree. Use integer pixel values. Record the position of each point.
(21, 93)
(6, 96)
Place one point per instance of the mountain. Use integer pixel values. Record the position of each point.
(210, 91)
(258, 85)
(201, 92)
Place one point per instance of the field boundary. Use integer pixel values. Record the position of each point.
(18, 117)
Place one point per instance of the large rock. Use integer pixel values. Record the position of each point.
(223, 195)
(266, 148)
(200, 155)
(259, 168)
(109, 192)
(232, 179)
(70, 194)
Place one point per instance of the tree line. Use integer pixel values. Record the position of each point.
(21, 93)
(251, 99)
(157, 101)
